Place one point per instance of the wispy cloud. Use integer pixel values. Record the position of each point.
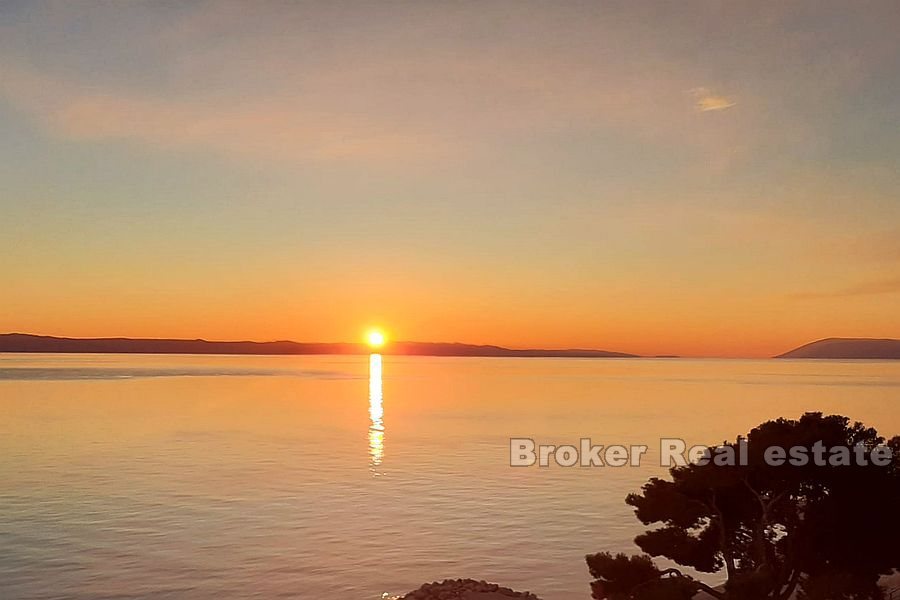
(430, 109)
(871, 288)
(273, 130)
(222, 82)
(707, 101)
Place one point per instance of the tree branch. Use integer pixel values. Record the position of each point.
(791, 585)
(723, 539)
(672, 571)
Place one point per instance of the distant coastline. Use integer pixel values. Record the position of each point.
(828, 348)
(847, 348)
(20, 342)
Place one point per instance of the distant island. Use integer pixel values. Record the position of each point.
(20, 342)
(847, 348)
(829, 348)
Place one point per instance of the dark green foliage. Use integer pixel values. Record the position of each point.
(618, 576)
(824, 532)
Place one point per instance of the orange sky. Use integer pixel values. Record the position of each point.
(705, 179)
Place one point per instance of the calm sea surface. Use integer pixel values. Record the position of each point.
(198, 477)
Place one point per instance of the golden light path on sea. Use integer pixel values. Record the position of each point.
(376, 415)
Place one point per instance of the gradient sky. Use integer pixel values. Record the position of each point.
(696, 178)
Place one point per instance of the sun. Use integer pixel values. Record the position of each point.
(375, 338)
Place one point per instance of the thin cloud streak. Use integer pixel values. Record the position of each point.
(707, 101)
(448, 108)
(264, 129)
(871, 288)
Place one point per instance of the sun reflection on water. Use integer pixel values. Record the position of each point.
(376, 415)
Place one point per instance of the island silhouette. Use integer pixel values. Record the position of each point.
(829, 348)
(847, 348)
(21, 342)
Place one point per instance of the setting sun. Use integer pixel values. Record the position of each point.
(375, 338)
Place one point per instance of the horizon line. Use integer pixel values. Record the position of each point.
(45, 343)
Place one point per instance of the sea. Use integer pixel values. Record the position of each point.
(151, 477)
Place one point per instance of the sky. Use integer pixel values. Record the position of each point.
(699, 178)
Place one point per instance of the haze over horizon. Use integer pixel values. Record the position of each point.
(617, 176)
(376, 343)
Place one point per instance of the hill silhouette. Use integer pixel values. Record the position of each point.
(848, 348)
(20, 342)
